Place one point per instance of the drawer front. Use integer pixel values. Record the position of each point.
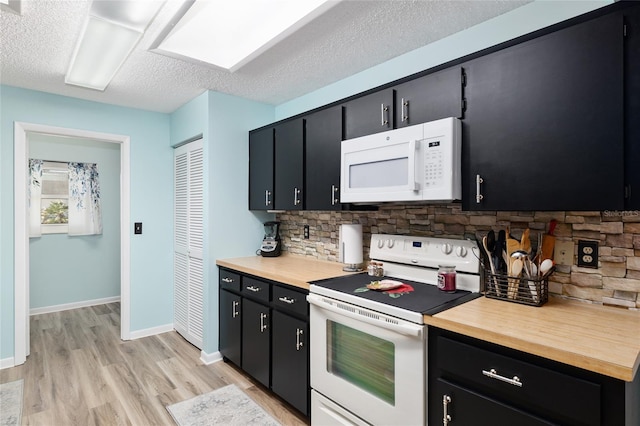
(540, 389)
(229, 280)
(291, 300)
(256, 289)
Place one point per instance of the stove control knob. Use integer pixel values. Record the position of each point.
(390, 243)
(461, 251)
(380, 243)
(447, 248)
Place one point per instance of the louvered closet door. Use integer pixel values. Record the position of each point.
(188, 241)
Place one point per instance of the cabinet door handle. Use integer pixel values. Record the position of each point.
(296, 196)
(234, 312)
(263, 326)
(253, 289)
(515, 381)
(227, 280)
(404, 110)
(285, 299)
(384, 116)
(267, 197)
(334, 191)
(299, 333)
(446, 400)
(479, 195)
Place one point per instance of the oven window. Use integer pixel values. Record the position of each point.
(379, 174)
(362, 359)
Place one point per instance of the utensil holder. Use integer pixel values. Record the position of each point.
(533, 291)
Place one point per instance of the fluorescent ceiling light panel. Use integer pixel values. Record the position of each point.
(110, 33)
(229, 34)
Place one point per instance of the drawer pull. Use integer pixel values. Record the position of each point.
(254, 289)
(227, 280)
(285, 299)
(446, 400)
(515, 381)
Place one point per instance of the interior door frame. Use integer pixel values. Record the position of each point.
(21, 228)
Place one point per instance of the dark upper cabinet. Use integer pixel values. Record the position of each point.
(431, 97)
(289, 165)
(369, 114)
(261, 193)
(543, 127)
(632, 108)
(323, 138)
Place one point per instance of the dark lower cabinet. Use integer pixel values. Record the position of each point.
(290, 360)
(480, 383)
(231, 326)
(264, 329)
(462, 406)
(256, 340)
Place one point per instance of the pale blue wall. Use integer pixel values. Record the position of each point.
(520, 21)
(230, 229)
(151, 173)
(64, 269)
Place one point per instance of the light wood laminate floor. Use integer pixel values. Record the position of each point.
(79, 372)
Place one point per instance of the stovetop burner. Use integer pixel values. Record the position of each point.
(416, 297)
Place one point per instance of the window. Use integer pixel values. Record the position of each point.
(54, 204)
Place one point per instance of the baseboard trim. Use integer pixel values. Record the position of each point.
(210, 358)
(74, 305)
(7, 363)
(138, 334)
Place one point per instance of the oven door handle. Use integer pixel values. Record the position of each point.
(402, 327)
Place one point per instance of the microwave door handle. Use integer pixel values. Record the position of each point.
(411, 181)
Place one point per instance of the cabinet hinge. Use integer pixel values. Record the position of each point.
(627, 191)
(624, 30)
(464, 79)
(464, 104)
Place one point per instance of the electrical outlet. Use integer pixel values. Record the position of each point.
(588, 254)
(306, 232)
(563, 253)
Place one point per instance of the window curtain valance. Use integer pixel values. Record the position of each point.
(85, 214)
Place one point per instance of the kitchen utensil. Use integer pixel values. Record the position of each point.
(500, 247)
(548, 242)
(525, 241)
(528, 270)
(545, 266)
(512, 246)
(488, 243)
(513, 280)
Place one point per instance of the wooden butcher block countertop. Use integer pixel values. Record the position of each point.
(602, 339)
(598, 338)
(290, 269)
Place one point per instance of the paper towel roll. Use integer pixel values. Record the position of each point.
(351, 247)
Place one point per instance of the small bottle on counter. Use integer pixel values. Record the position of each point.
(447, 278)
(379, 270)
(371, 269)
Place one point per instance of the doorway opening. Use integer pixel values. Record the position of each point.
(21, 224)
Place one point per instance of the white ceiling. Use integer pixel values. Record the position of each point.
(35, 49)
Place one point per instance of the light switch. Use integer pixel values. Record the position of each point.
(563, 253)
(137, 228)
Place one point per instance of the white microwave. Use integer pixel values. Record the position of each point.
(416, 163)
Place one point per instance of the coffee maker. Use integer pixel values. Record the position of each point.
(271, 245)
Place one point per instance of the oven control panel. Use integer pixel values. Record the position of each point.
(426, 251)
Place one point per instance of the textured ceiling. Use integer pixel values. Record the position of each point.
(35, 49)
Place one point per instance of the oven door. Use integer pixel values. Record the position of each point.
(371, 364)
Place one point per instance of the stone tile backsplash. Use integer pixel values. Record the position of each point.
(615, 282)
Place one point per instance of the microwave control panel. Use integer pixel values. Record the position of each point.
(433, 164)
